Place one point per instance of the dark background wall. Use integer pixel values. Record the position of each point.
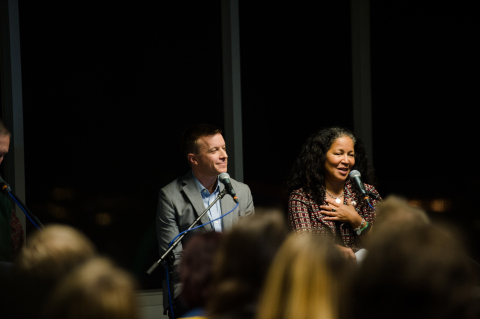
(108, 90)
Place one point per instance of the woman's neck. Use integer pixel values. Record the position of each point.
(335, 188)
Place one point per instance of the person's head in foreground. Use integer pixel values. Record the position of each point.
(95, 290)
(52, 252)
(394, 214)
(242, 262)
(196, 268)
(415, 272)
(306, 280)
(49, 254)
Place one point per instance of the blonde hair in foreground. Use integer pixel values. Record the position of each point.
(52, 252)
(95, 290)
(304, 280)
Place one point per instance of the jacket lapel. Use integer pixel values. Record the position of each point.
(190, 188)
(227, 204)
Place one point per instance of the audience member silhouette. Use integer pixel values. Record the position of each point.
(242, 264)
(196, 271)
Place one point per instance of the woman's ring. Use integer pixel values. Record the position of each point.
(333, 210)
(354, 203)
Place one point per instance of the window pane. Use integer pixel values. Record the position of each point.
(107, 94)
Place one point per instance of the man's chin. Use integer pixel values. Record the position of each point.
(221, 170)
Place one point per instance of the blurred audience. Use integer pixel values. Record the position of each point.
(94, 290)
(420, 271)
(196, 271)
(242, 264)
(305, 281)
(413, 269)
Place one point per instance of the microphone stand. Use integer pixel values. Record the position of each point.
(5, 187)
(179, 238)
(372, 195)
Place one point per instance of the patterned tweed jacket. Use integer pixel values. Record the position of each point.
(305, 217)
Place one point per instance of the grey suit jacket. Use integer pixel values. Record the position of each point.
(180, 203)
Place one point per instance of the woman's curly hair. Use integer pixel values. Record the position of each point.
(309, 168)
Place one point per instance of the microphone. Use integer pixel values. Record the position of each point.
(4, 186)
(355, 177)
(225, 179)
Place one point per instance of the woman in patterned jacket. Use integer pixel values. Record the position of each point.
(322, 200)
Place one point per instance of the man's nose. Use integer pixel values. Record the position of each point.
(223, 153)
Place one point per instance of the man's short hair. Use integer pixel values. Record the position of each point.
(193, 133)
(3, 129)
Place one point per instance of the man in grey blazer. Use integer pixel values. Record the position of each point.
(184, 199)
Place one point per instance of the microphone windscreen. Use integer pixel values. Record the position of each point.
(355, 173)
(224, 176)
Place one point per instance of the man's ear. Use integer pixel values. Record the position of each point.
(192, 159)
